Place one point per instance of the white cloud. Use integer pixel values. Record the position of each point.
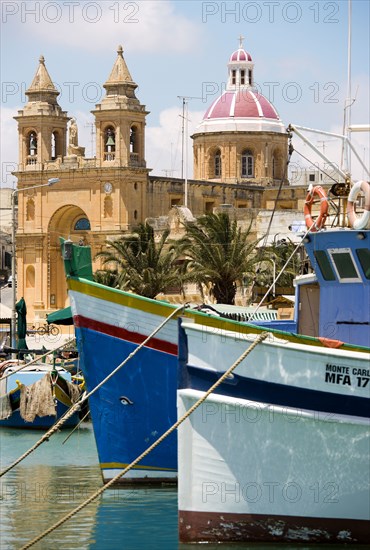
(9, 146)
(150, 25)
(164, 143)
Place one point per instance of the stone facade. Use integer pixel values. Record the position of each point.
(268, 149)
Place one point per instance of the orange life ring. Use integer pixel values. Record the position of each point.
(359, 222)
(324, 206)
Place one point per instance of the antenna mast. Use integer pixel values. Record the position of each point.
(185, 100)
(91, 125)
(346, 156)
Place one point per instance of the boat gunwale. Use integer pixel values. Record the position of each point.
(102, 292)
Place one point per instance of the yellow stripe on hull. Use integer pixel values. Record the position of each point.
(147, 305)
(122, 466)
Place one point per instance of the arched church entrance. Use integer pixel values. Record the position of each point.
(70, 221)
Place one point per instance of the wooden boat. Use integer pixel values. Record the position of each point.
(36, 396)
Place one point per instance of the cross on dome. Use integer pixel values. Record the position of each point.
(241, 38)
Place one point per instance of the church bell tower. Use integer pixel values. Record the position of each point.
(42, 124)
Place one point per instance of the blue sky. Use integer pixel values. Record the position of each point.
(181, 48)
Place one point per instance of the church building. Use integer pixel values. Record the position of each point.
(240, 154)
(241, 138)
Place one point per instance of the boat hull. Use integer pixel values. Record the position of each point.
(40, 423)
(132, 409)
(280, 450)
(10, 385)
(250, 471)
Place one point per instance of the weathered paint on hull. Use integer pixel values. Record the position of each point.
(196, 527)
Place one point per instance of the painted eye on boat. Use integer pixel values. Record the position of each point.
(125, 400)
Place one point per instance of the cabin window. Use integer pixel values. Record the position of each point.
(324, 265)
(344, 265)
(363, 255)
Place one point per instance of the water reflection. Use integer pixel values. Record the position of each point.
(56, 478)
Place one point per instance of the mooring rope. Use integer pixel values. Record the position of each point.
(37, 359)
(258, 340)
(77, 406)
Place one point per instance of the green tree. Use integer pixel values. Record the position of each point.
(218, 255)
(279, 253)
(140, 264)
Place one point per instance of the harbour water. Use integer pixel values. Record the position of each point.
(58, 476)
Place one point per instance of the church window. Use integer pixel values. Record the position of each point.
(135, 214)
(233, 77)
(30, 210)
(218, 164)
(109, 144)
(82, 224)
(53, 146)
(30, 277)
(208, 207)
(32, 146)
(247, 164)
(133, 139)
(108, 207)
(276, 167)
(175, 202)
(250, 77)
(242, 77)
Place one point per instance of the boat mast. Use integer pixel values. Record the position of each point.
(346, 155)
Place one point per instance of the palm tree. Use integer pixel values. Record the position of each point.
(218, 255)
(279, 253)
(140, 264)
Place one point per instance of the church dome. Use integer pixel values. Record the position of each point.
(241, 110)
(241, 104)
(240, 55)
(241, 107)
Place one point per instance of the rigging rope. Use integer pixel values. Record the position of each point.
(258, 340)
(37, 360)
(261, 248)
(281, 272)
(77, 406)
(320, 169)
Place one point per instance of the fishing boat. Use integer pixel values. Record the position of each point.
(35, 396)
(280, 451)
(135, 406)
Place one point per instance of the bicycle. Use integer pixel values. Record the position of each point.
(46, 329)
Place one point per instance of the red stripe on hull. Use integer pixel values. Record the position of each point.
(123, 334)
(216, 527)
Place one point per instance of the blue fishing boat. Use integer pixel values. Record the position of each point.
(35, 396)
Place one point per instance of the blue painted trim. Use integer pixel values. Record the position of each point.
(241, 387)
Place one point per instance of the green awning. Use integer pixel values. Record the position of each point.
(61, 317)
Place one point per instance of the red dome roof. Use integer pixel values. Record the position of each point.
(240, 55)
(241, 104)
